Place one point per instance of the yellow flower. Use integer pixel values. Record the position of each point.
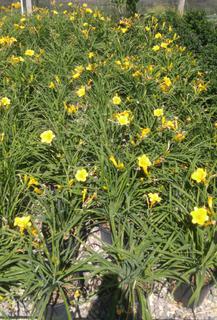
(123, 30)
(167, 81)
(7, 40)
(200, 86)
(154, 198)
(38, 191)
(51, 85)
(5, 102)
(179, 137)
(124, 118)
(81, 175)
(77, 294)
(32, 182)
(81, 91)
(47, 136)
(29, 53)
(158, 35)
(84, 194)
(19, 26)
(210, 202)
(156, 48)
(144, 163)
(16, 5)
(77, 72)
(71, 108)
(118, 165)
(169, 124)
(137, 74)
(57, 78)
(91, 55)
(158, 112)
(166, 84)
(34, 232)
(199, 216)
(116, 100)
(90, 67)
(89, 199)
(164, 45)
(88, 10)
(14, 60)
(70, 183)
(2, 136)
(199, 175)
(144, 132)
(23, 223)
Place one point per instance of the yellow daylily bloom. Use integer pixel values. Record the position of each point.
(51, 85)
(199, 216)
(116, 100)
(118, 165)
(156, 48)
(29, 53)
(91, 55)
(154, 198)
(23, 223)
(77, 294)
(166, 84)
(70, 108)
(32, 182)
(144, 132)
(179, 137)
(199, 175)
(2, 136)
(81, 175)
(144, 162)
(210, 202)
(47, 136)
(14, 60)
(158, 112)
(84, 194)
(158, 35)
(124, 118)
(5, 102)
(169, 124)
(81, 91)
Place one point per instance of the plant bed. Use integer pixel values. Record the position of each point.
(107, 162)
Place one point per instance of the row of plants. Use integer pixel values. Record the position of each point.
(103, 124)
(199, 35)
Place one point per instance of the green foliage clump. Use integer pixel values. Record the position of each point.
(199, 35)
(131, 5)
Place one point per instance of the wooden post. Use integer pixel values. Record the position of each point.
(22, 7)
(26, 6)
(181, 7)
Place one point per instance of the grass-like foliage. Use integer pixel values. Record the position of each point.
(103, 123)
(199, 35)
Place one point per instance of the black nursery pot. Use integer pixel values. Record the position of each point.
(56, 312)
(184, 292)
(105, 234)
